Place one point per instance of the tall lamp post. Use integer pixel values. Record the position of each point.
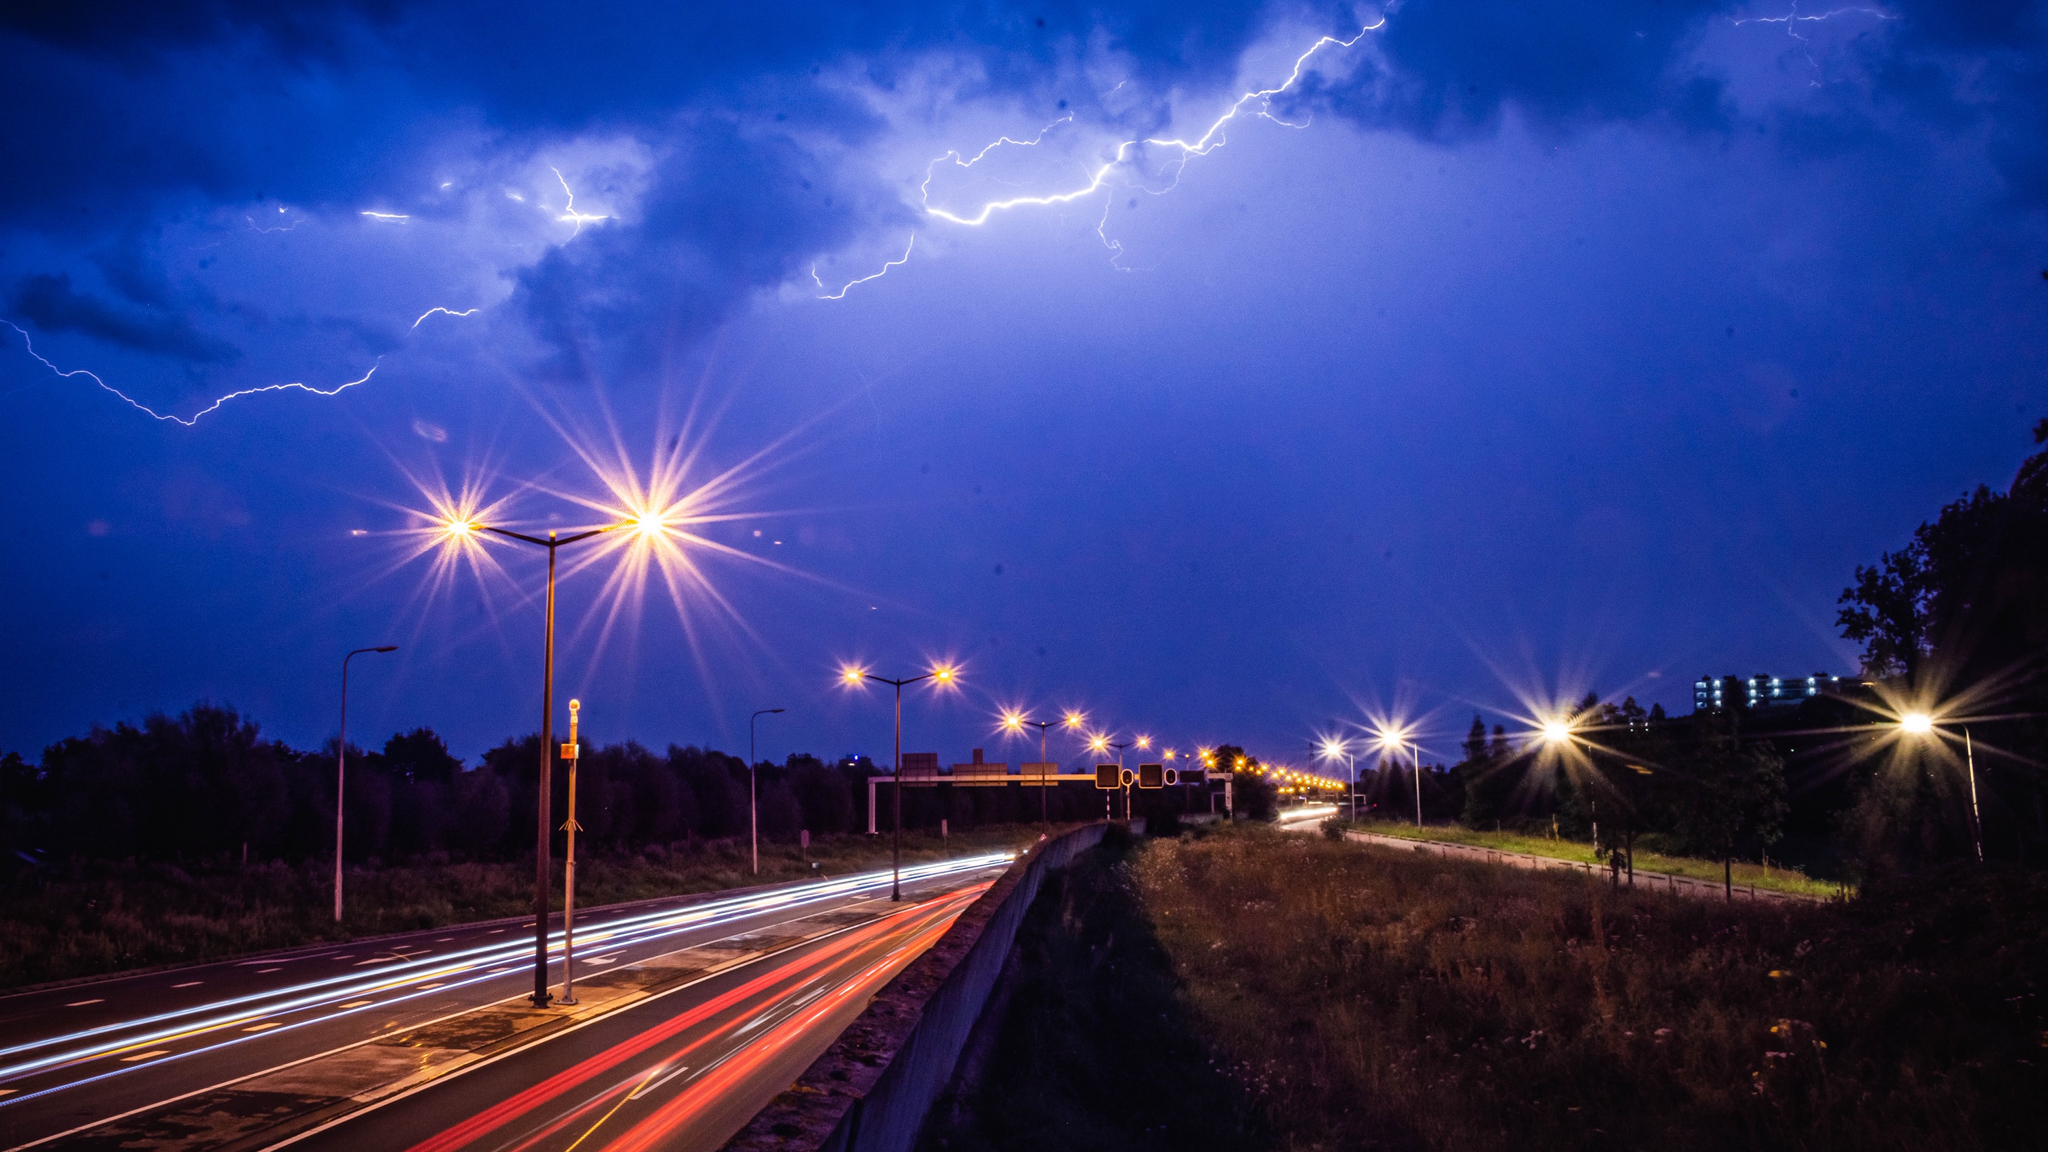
(1015, 722)
(941, 675)
(753, 793)
(1921, 724)
(467, 529)
(341, 768)
(1397, 739)
(1331, 749)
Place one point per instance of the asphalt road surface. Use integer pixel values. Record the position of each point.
(693, 1012)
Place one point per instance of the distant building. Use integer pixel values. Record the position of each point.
(1711, 693)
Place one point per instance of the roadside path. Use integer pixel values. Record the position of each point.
(1653, 881)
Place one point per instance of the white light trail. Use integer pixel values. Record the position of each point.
(466, 966)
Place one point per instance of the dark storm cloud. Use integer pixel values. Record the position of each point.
(1454, 66)
(143, 112)
(52, 304)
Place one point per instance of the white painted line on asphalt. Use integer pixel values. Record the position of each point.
(359, 1004)
(145, 1055)
(261, 1027)
(189, 984)
(83, 1003)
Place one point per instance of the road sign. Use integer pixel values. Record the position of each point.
(1125, 776)
(920, 768)
(1173, 775)
(1106, 777)
(1191, 776)
(1035, 775)
(1151, 776)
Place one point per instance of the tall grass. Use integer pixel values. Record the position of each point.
(1371, 998)
(96, 917)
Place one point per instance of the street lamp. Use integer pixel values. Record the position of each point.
(1015, 721)
(1921, 724)
(1332, 748)
(465, 529)
(341, 768)
(753, 795)
(1396, 738)
(942, 675)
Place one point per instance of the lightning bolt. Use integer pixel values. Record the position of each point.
(570, 214)
(1256, 103)
(194, 418)
(1792, 20)
(841, 294)
(386, 215)
(445, 312)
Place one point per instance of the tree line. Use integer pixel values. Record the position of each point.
(1953, 625)
(204, 785)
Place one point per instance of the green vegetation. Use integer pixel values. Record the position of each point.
(1094, 1051)
(94, 917)
(1362, 997)
(1775, 877)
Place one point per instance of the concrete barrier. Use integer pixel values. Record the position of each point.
(871, 1090)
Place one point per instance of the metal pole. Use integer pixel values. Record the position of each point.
(341, 771)
(753, 801)
(1418, 785)
(896, 850)
(547, 757)
(340, 776)
(1976, 819)
(573, 753)
(1044, 785)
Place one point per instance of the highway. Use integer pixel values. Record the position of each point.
(707, 1005)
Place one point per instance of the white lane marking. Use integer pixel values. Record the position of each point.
(267, 971)
(359, 1004)
(83, 1003)
(444, 939)
(145, 1055)
(189, 984)
(261, 1027)
(644, 1089)
(427, 987)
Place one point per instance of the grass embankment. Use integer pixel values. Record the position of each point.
(97, 917)
(1370, 998)
(1772, 876)
(1094, 1051)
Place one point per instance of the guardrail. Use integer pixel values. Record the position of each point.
(1654, 881)
(871, 1090)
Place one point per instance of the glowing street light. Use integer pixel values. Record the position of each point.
(1920, 724)
(1332, 748)
(462, 530)
(1015, 721)
(853, 676)
(341, 768)
(1393, 739)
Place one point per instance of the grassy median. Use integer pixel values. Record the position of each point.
(1370, 998)
(92, 918)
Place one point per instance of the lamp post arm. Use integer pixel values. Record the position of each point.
(556, 543)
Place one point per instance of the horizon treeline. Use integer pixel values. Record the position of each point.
(204, 785)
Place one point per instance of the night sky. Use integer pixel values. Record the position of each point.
(1510, 352)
